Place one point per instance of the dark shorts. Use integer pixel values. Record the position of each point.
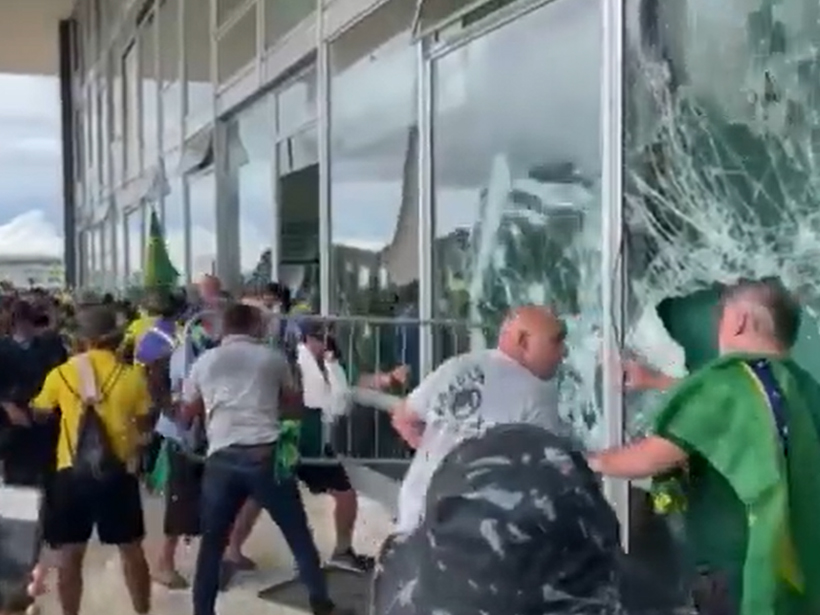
(76, 506)
(324, 477)
(182, 494)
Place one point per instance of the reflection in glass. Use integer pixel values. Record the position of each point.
(92, 140)
(297, 103)
(121, 247)
(104, 136)
(224, 8)
(200, 92)
(720, 176)
(374, 149)
(516, 187)
(118, 103)
(169, 72)
(174, 227)
(237, 47)
(299, 151)
(150, 92)
(108, 274)
(299, 231)
(136, 246)
(132, 123)
(250, 160)
(98, 254)
(202, 201)
(281, 16)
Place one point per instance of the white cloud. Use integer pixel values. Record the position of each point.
(31, 234)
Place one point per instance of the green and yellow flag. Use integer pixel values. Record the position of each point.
(754, 421)
(159, 270)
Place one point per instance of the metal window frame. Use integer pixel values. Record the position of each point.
(612, 265)
(614, 262)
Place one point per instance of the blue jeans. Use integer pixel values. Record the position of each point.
(232, 476)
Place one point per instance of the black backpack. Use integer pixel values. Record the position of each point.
(93, 456)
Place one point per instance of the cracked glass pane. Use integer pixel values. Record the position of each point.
(721, 179)
(517, 167)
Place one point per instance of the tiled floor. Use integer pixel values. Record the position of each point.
(104, 586)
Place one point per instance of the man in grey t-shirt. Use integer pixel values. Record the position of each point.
(241, 390)
(474, 391)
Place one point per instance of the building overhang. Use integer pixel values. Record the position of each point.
(29, 35)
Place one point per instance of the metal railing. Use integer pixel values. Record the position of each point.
(370, 350)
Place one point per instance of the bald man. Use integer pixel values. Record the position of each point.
(737, 443)
(477, 390)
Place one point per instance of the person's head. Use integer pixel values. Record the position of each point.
(277, 297)
(316, 336)
(23, 318)
(210, 289)
(533, 336)
(758, 316)
(97, 328)
(242, 319)
(514, 522)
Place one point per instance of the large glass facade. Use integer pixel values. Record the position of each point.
(149, 91)
(374, 149)
(251, 165)
(171, 83)
(174, 226)
(121, 247)
(135, 246)
(456, 170)
(199, 87)
(516, 185)
(131, 98)
(202, 203)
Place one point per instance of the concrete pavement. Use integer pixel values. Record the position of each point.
(105, 591)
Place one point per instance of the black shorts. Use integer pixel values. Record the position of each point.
(324, 477)
(75, 506)
(182, 494)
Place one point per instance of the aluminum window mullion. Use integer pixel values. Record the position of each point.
(612, 261)
(325, 221)
(213, 56)
(425, 205)
(183, 69)
(159, 126)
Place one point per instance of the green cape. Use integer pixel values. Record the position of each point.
(721, 414)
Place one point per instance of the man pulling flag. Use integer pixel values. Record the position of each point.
(740, 441)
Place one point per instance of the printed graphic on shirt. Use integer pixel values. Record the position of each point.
(460, 401)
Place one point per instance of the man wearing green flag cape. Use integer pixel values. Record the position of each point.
(739, 442)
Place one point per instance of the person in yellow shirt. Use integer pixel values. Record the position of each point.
(78, 502)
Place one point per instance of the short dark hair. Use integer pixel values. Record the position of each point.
(281, 292)
(23, 312)
(240, 319)
(770, 295)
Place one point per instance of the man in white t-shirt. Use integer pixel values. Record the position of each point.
(471, 392)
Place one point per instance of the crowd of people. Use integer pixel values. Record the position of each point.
(499, 511)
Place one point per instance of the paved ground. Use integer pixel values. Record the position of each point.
(105, 592)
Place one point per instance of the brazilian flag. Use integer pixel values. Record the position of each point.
(750, 418)
(159, 270)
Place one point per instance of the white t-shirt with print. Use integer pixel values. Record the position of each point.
(464, 396)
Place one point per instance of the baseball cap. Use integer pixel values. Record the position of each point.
(515, 522)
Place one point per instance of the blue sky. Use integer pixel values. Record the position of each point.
(30, 166)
